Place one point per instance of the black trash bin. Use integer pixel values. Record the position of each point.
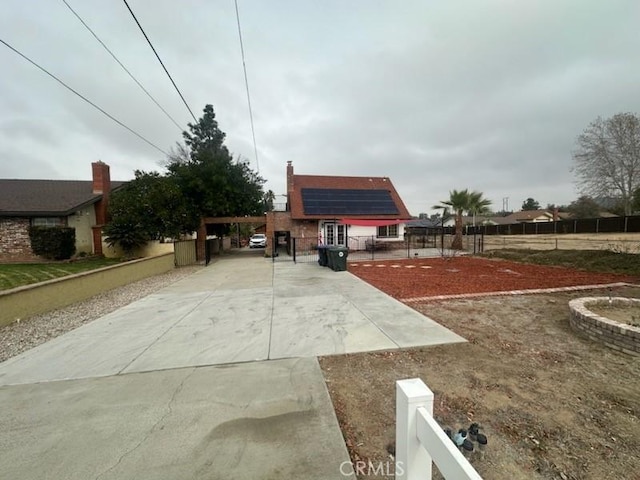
(338, 258)
(323, 257)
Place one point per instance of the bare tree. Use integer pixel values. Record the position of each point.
(607, 158)
(178, 154)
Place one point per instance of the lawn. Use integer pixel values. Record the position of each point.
(18, 274)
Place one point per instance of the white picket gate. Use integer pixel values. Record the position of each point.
(420, 440)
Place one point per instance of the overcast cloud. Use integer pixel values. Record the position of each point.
(434, 94)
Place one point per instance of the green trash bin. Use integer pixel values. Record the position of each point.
(329, 253)
(338, 258)
(323, 258)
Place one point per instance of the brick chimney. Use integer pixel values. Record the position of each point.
(101, 177)
(289, 177)
(101, 182)
(289, 183)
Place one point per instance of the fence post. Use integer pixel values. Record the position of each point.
(373, 247)
(474, 240)
(294, 249)
(413, 462)
(626, 219)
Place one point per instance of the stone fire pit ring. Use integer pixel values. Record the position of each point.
(618, 336)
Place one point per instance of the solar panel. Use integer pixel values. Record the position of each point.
(338, 202)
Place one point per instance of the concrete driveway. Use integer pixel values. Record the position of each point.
(128, 402)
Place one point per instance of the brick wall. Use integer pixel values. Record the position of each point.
(618, 336)
(282, 222)
(15, 245)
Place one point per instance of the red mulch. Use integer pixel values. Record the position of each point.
(460, 275)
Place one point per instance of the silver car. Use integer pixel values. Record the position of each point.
(259, 240)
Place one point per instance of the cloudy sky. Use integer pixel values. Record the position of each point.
(435, 94)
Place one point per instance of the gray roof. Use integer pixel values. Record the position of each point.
(46, 197)
(421, 223)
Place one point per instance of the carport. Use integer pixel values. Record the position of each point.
(208, 227)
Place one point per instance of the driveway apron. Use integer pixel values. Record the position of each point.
(215, 373)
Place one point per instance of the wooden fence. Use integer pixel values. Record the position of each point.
(185, 252)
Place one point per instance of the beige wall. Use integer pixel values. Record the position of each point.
(23, 302)
(149, 250)
(82, 221)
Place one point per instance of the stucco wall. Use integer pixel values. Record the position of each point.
(82, 221)
(149, 250)
(23, 302)
(359, 231)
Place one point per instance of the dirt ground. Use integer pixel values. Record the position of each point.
(553, 404)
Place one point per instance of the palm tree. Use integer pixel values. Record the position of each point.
(477, 205)
(269, 197)
(459, 202)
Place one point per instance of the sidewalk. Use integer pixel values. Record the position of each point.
(121, 397)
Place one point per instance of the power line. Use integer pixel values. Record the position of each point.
(123, 67)
(158, 57)
(246, 84)
(82, 97)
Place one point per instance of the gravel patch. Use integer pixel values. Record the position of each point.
(21, 336)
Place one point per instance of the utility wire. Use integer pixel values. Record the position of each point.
(158, 57)
(246, 84)
(82, 97)
(120, 63)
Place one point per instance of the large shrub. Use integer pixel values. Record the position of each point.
(53, 243)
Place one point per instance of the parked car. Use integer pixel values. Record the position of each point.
(259, 240)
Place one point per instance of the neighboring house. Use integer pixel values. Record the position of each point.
(420, 224)
(468, 220)
(79, 204)
(335, 210)
(524, 216)
(530, 216)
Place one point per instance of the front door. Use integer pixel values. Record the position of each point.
(334, 234)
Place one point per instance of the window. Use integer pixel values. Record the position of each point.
(388, 231)
(48, 222)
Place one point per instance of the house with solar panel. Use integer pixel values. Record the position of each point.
(356, 212)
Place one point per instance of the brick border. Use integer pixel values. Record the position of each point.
(618, 336)
(516, 292)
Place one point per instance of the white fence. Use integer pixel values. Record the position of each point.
(420, 440)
